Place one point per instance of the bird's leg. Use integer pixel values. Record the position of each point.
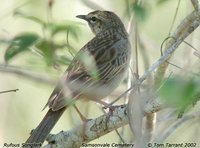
(83, 118)
(111, 108)
(100, 102)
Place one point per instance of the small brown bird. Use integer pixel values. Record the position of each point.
(96, 70)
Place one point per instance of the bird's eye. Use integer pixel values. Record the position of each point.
(93, 19)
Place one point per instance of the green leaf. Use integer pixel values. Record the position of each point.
(57, 28)
(67, 27)
(19, 44)
(32, 18)
(46, 48)
(179, 92)
(161, 1)
(63, 60)
(74, 30)
(140, 12)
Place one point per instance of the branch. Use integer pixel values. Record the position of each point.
(20, 72)
(196, 4)
(90, 130)
(93, 129)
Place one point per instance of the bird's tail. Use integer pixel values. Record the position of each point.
(39, 134)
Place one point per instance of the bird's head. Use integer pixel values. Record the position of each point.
(101, 20)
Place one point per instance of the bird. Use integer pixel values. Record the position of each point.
(94, 73)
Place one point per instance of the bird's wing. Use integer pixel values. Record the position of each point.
(101, 53)
(105, 53)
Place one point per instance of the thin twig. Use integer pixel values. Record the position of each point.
(162, 136)
(2, 16)
(92, 5)
(175, 15)
(30, 75)
(6, 91)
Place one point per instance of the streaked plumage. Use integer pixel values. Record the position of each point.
(94, 73)
(110, 53)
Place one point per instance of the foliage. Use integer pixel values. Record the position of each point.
(44, 45)
(139, 11)
(20, 43)
(161, 1)
(180, 92)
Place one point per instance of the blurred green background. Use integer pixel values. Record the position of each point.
(59, 35)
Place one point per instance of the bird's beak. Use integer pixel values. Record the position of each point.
(84, 17)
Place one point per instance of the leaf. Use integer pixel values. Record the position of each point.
(65, 27)
(179, 92)
(63, 60)
(159, 2)
(19, 44)
(140, 12)
(46, 48)
(57, 28)
(74, 30)
(32, 18)
(54, 28)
